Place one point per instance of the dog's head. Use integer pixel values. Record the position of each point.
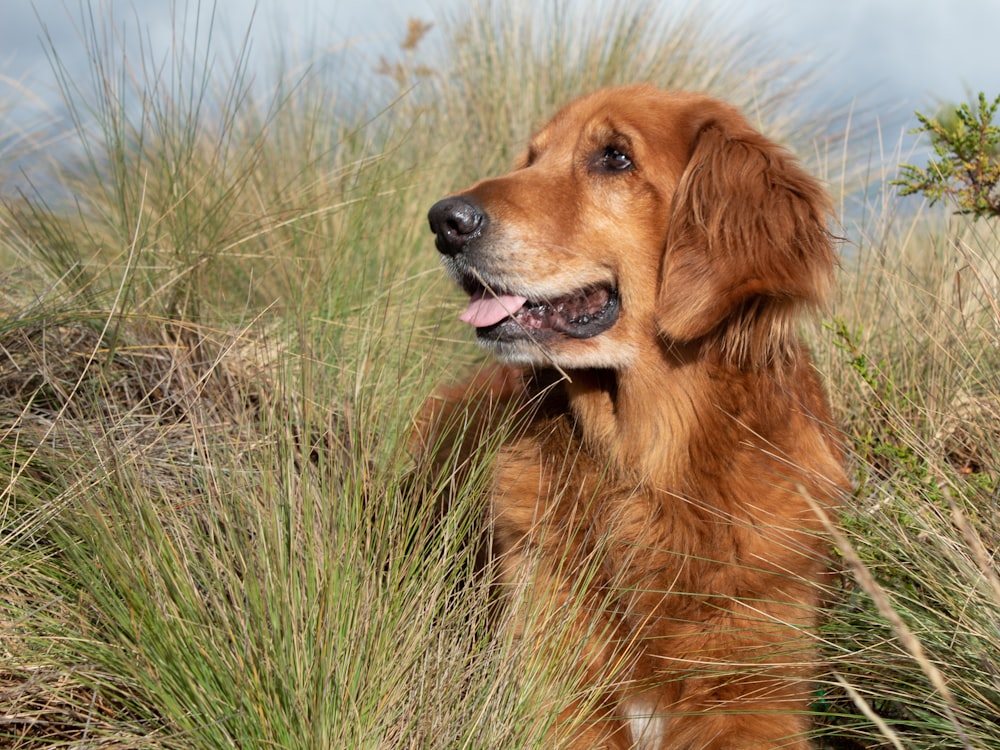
(639, 218)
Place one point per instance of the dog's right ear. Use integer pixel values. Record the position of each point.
(747, 243)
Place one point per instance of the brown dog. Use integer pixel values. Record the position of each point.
(644, 266)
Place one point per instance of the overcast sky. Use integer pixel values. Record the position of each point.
(900, 55)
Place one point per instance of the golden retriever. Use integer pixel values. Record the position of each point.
(640, 274)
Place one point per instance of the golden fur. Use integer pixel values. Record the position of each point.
(672, 437)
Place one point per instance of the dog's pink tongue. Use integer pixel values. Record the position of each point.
(485, 308)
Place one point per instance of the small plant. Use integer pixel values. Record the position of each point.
(883, 445)
(967, 167)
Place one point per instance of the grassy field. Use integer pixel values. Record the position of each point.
(220, 310)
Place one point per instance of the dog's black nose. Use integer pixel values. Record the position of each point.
(456, 221)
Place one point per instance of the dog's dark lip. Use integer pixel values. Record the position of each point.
(582, 314)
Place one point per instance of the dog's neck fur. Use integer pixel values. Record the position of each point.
(652, 419)
(633, 417)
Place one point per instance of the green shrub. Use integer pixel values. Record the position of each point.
(967, 168)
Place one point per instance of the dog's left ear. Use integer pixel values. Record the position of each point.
(748, 242)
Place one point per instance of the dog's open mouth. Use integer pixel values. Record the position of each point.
(580, 315)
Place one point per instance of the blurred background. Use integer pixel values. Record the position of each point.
(887, 57)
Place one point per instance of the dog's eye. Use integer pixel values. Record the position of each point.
(612, 159)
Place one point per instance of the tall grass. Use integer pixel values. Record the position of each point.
(219, 315)
(914, 360)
